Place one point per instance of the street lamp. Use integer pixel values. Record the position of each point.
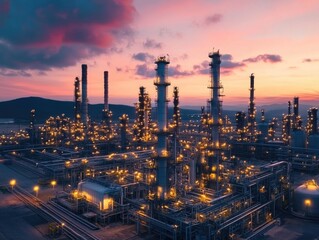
(12, 183)
(36, 189)
(53, 183)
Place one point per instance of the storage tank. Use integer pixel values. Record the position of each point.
(306, 199)
(313, 141)
(298, 138)
(98, 194)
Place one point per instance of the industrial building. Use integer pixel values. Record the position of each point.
(205, 178)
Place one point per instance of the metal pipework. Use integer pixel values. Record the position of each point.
(84, 116)
(215, 102)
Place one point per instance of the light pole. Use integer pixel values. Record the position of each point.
(12, 183)
(36, 189)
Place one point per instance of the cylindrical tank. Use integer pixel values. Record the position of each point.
(298, 138)
(97, 194)
(313, 141)
(306, 199)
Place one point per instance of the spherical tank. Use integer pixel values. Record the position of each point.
(313, 141)
(306, 199)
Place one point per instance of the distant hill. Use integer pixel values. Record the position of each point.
(19, 109)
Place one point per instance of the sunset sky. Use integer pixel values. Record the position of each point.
(43, 44)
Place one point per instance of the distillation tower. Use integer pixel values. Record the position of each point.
(176, 111)
(77, 100)
(84, 108)
(252, 111)
(215, 102)
(161, 82)
(107, 114)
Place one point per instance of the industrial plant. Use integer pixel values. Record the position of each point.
(211, 176)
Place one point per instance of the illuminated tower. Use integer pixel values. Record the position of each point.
(141, 115)
(161, 83)
(107, 114)
(296, 118)
(252, 111)
(312, 125)
(123, 126)
(77, 100)
(32, 126)
(286, 125)
(106, 90)
(241, 126)
(84, 108)
(215, 102)
(176, 111)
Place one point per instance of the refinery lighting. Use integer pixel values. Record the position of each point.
(12, 183)
(200, 175)
(53, 183)
(36, 190)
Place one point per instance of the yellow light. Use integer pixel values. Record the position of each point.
(53, 183)
(307, 202)
(13, 182)
(36, 188)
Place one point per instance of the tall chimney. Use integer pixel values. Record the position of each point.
(84, 116)
(106, 90)
(252, 110)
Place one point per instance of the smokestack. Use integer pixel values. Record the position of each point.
(106, 90)
(215, 102)
(84, 116)
(296, 106)
(252, 110)
(161, 84)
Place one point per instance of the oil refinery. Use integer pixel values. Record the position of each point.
(211, 177)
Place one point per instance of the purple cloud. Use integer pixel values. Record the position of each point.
(143, 57)
(227, 65)
(173, 71)
(150, 43)
(268, 58)
(144, 71)
(215, 18)
(176, 71)
(14, 73)
(308, 60)
(45, 34)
